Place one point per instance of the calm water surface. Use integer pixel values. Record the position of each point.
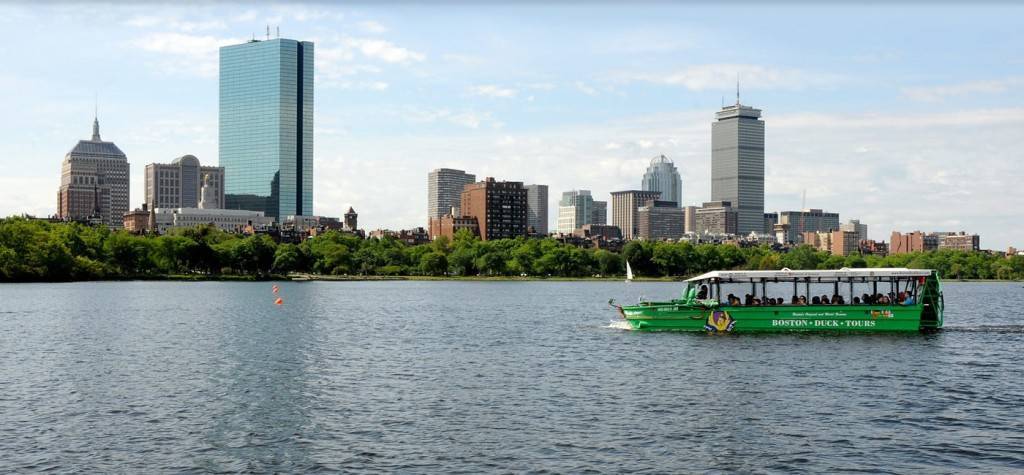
(413, 377)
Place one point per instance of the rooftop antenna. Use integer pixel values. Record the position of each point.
(268, 31)
(803, 209)
(737, 88)
(278, 31)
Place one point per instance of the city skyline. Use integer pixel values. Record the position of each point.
(878, 131)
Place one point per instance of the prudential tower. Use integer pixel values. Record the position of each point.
(737, 163)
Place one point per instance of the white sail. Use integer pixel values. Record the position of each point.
(629, 272)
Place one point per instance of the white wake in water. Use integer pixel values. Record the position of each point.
(619, 325)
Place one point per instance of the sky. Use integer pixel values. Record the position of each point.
(907, 117)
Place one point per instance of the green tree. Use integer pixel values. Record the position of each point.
(434, 263)
(287, 258)
(609, 263)
(801, 257)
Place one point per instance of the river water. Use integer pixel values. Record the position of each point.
(152, 377)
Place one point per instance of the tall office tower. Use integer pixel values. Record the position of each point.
(808, 220)
(266, 126)
(856, 227)
(498, 206)
(770, 220)
(179, 184)
(663, 176)
(737, 163)
(624, 210)
(599, 213)
(689, 219)
(444, 191)
(537, 208)
(94, 182)
(575, 209)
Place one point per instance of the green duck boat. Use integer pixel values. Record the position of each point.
(850, 300)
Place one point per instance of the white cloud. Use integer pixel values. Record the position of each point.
(174, 23)
(465, 60)
(939, 93)
(491, 90)
(383, 50)
(465, 118)
(336, 58)
(724, 76)
(246, 16)
(540, 86)
(184, 53)
(584, 88)
(373, 27)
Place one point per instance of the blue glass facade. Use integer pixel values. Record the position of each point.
(266, 126)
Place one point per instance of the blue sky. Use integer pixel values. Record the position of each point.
(907, 117)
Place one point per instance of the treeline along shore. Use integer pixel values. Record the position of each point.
(35, 250)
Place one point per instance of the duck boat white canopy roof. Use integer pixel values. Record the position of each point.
(786, 275)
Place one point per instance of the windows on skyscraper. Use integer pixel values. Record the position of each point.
(266, 126)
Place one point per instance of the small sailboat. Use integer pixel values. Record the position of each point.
(629, 272)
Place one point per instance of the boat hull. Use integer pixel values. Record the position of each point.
(678, 316)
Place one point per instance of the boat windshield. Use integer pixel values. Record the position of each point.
(807, 288)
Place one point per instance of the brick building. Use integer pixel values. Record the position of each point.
(499, 207)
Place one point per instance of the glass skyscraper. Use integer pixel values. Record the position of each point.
(663, 176)
(266, 126)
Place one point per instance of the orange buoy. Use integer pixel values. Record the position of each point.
(279, 301)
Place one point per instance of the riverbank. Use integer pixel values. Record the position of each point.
(302, 277)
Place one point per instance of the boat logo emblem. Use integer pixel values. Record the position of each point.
(719, 321)
(875, 314)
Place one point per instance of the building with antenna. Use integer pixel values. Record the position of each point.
(266, 126)
(94, 184)
(807, 221)
(737, 163)
(663, 176)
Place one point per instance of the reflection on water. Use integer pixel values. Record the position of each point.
(486, 376)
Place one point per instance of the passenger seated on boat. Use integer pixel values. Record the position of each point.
(906, 299)
(834, 300)
(802, 301)
(757, 301)
(703, 293)
(825, 300)
(748, 299)
(866, 299)
(816, 300)
(736, 301)
(795, 300)
(856, 300)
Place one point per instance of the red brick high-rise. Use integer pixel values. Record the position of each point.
(500, 208)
